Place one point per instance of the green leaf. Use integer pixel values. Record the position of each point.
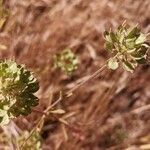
(134, 32)
(113, 64)
(128, 66)
(107, 36)
(141, 60)
(109, 46)
(141, 39)
(33, 87)
(141, 53)
(106, 33)
(130, 44)
(113, 37)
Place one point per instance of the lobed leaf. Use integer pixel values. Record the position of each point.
(113, 64)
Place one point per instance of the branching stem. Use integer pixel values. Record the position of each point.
(67, 94)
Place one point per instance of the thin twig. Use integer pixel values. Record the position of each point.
(140, 109)
(32, 131)
(38, 111)
(69, 93)
(45, 113)
(94, 75)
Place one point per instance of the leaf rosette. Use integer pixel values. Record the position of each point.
(128, 45)
(17, 88)
(66, 61)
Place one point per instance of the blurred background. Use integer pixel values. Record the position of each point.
(111, 112)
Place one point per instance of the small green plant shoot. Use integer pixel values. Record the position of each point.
(66, 61)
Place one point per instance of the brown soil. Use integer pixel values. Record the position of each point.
(102, 112)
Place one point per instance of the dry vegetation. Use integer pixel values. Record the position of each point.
(110, 112)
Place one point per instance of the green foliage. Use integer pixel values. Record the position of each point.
(33, 143)
(66, 61)
(17, 86)
(128, 45)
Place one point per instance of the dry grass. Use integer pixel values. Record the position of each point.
(99, 113)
